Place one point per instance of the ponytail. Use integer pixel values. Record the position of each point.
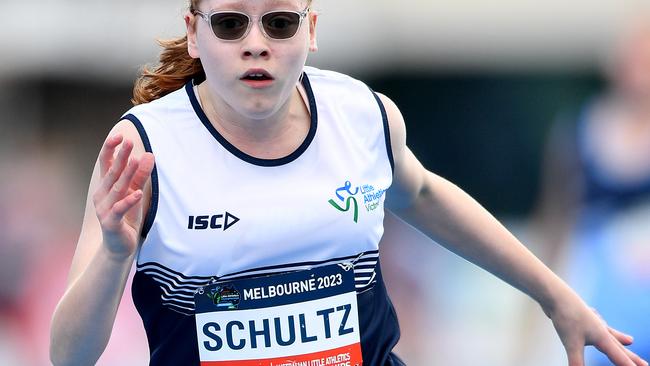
(175, 69)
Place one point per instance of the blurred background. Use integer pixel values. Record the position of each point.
(540, 110)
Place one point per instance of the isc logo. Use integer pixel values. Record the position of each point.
(214, 222)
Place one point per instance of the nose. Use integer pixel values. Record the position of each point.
(255, 44)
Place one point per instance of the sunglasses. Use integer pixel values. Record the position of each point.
(234, 25)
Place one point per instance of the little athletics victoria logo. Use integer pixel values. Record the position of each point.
(347, 198)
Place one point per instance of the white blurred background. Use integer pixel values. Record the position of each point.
(488, 90)
(108, 40)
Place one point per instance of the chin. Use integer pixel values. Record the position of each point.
(259, 109)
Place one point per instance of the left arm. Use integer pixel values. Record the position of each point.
(446, 214)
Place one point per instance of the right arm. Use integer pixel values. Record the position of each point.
(118, 198)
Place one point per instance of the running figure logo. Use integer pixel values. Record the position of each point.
(349, 202)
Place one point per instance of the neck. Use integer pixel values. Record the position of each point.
(272, 137)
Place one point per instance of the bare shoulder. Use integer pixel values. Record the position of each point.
(396, 125)
(129, 132)
(408, 176)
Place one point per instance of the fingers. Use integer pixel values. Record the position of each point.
(576, 355)
(107, 152)
(614, 351)
(638, 361)
(121, 198)
(123, 181)
(131, 179)
(121, 207)
(145, 167)
(625, 339)
(121, 186)
(115, 169)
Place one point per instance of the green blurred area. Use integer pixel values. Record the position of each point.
(485, 132)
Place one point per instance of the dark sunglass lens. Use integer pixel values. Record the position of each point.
(229, 26)
(280, 24)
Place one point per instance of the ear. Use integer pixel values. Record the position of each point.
(190, 25)
(313, 20)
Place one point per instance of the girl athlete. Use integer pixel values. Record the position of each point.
(255, 232)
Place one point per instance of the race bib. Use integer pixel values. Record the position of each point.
(305, 318)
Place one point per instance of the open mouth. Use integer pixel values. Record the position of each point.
(257, 75)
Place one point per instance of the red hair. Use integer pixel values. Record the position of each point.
(174, 69)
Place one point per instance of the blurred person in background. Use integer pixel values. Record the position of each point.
(273, 118)
(596, 193)
(37, 232)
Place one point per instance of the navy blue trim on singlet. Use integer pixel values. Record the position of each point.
(172, 334)
(153, 205)
(384, 117)
(251, 159)
(306, 263)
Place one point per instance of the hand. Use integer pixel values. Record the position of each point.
(579, 326)
(118, 199)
